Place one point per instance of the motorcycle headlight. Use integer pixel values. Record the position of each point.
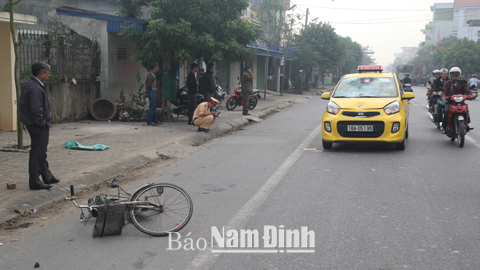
(392, 108)
(458, 99)
(332, 108)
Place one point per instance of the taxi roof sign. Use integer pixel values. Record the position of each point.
(370, 68)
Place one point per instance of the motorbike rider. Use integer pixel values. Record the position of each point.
(430, 87)
(406, 79)
(473, 82)
(454, 86)
(438, 87)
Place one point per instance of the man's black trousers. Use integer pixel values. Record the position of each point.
(38, 164)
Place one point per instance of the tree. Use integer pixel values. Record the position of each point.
(353, 55)
(318, 45)
(186, 29)
(9, 7)
(270, 15)
(464, 54)
(367, 56)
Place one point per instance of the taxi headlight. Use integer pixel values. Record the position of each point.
(332, 108)
(392, 108)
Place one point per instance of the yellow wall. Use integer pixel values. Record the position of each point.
(8, 107)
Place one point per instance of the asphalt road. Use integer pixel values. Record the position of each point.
(369, 206)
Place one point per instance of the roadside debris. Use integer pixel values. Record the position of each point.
(11, 186)
(37, 265)
(114, 183)
(77, 146)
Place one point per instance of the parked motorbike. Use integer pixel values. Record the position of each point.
(236, 99)
(255, 92)
(180, 106)
(474, 91)
(457, 123)
(219, 94)
(407, 87)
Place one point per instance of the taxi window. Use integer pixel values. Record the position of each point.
(366, 87)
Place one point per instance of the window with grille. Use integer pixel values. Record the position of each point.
(121, 54)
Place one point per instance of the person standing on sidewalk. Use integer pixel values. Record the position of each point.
(300, 82)
(35, 115)
(203, 118)
(207, 83)
(192, 91)
(247, 87)
(151, 93)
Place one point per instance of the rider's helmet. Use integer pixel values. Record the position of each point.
(474, 75)
(444, 70)
(407, 74)
(454, 70)
(437, 71)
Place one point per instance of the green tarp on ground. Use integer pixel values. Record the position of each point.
(75, 145)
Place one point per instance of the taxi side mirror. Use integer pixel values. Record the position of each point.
(325, 95)
(408, 96)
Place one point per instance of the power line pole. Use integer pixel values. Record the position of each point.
(306, 19)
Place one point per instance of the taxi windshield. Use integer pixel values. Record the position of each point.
(366, 87)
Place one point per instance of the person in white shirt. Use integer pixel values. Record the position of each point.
(473, 81)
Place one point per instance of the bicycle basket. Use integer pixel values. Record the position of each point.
(110, 219)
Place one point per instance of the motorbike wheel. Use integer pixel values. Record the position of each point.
(461, 133)
(231, 104)
(252, 103)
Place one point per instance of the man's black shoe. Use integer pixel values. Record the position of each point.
(201, 129)
(53, 181)
(40, 186)
(206, 130)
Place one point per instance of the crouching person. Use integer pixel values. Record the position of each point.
(203, 118)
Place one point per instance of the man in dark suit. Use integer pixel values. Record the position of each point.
(35, 115)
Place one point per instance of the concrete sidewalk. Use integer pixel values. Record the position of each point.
(131, 145)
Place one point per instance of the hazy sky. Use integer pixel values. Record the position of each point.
(384, 25)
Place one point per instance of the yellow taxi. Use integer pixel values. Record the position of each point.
(368, 106)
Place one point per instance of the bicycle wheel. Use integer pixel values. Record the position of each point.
(231, 103)
(165, 208)
(252, 103)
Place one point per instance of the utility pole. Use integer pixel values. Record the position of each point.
(306, 19)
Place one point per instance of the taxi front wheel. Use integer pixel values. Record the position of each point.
(327, 145)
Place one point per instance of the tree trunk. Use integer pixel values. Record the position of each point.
(17, 76)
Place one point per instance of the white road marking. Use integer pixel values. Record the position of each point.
(470, 139)
(206, 258)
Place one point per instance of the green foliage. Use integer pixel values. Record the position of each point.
(353, 55)
(367, 56)
(318, 44)
(464, 54)
(122, 96)
(184, 29)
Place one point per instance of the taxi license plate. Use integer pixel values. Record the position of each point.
(360, 128)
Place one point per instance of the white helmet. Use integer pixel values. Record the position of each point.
(456, 69)
(437, 71)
